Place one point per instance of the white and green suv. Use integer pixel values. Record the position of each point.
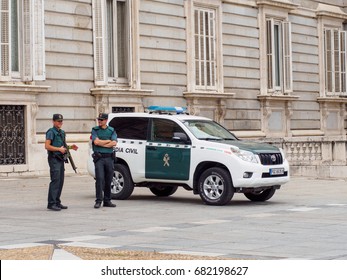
(163, 151)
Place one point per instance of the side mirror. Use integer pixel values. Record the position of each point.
(180, 137)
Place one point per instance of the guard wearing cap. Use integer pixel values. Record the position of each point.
(104, 138)
(54, 144)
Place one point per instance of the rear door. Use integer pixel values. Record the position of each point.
(132, 138)
(166, 157)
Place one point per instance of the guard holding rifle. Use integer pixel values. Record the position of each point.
(58, 154)
(104, 139)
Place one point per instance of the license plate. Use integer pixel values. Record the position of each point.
(276, 171)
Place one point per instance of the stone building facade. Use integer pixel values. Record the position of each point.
(270, 70)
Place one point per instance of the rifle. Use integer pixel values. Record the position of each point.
(68, 157)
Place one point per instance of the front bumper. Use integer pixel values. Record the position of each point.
(261, 176)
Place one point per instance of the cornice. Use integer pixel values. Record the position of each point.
(333, 99)
(278, 97)
(324, 10)
(283, 4)
(120, 91)
(23, 88)
(209, 95)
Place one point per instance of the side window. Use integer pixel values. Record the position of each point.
(130, 127)
(164, 130)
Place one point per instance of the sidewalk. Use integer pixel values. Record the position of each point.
(306, 219)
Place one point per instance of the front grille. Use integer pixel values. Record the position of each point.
(271, 158)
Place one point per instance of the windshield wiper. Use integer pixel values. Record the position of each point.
(210, 138)
(232, 139)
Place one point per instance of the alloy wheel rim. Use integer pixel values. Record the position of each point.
(117, 183)
(213, 187)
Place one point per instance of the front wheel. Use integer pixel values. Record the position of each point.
(261, 195)
(122, 185)
(163, 190)
(215, 186)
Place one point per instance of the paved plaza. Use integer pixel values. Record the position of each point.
(306, 219)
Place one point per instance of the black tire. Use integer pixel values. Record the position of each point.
(215, 186)
(163, 190)
(122, 185)
(261, 196)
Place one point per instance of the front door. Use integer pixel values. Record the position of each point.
(166, 157)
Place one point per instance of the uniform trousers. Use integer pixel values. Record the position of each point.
(104, 168)
(57, 170)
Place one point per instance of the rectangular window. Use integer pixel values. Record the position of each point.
(112, 42)
(335, 61)
(14, 37)
(116, 29)
(279, 56)
(205, 48)
(5, 38)
(22, 40)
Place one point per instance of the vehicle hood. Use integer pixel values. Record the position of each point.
(255, 147)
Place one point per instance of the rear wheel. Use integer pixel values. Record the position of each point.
(163, 190)
(261, 195)
(215, 186)
(122, 185)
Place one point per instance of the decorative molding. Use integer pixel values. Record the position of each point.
(277, 97)
(324, 10)
(334, 99)
(301, 133)
(209, 95)
(282, 4)
(107, 97)
(23, 88)
(249, 134)
(21, 94)
(196, 102)
(335, 105)
(120, 91)
(277, 103)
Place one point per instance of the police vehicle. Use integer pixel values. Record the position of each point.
(166, 148)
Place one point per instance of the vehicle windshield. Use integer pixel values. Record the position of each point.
(208, 130)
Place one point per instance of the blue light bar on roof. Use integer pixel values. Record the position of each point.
(177, 110)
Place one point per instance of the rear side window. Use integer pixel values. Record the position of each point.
(130, 127)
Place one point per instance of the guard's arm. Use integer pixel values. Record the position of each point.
(101, 143)
(49, 147)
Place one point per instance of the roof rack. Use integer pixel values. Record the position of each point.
(167, 110)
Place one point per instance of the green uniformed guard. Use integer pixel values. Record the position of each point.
(54, 144)
(104, 139)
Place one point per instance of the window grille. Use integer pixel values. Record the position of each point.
(12, 131)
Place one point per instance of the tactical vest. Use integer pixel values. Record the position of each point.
(58, 139)
(103, 134)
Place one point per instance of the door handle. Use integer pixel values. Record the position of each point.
(151, 148)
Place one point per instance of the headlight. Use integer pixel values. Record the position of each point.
(244, 155)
